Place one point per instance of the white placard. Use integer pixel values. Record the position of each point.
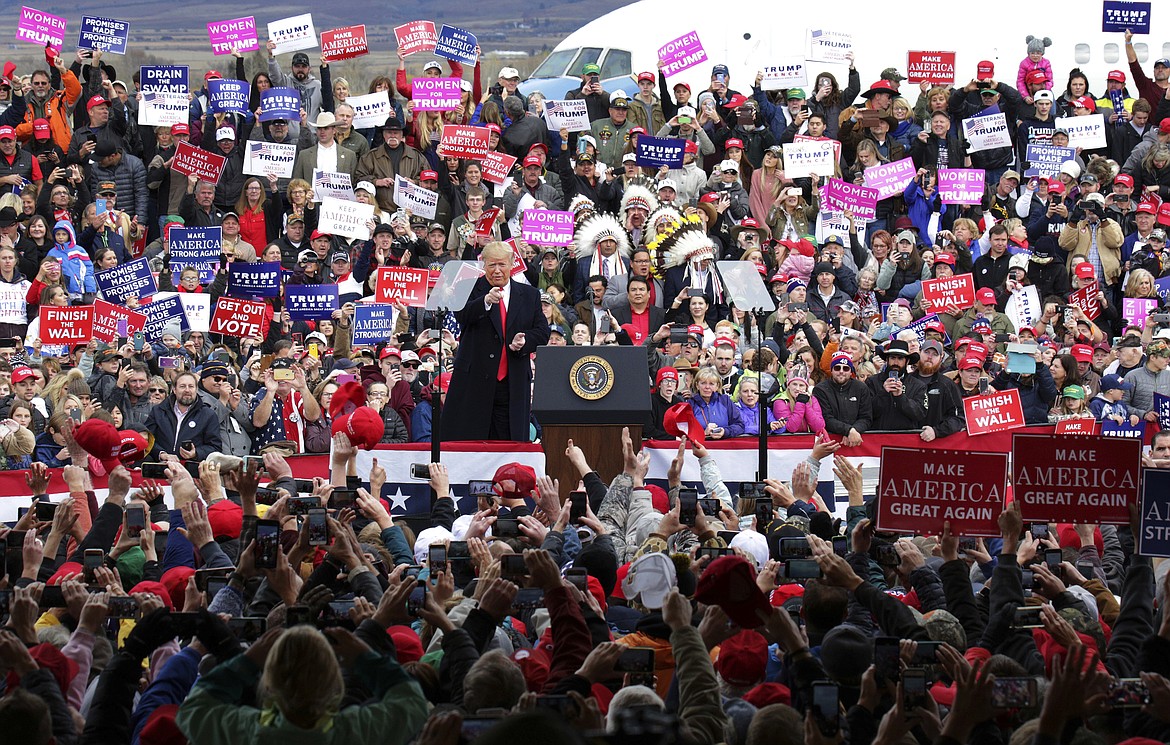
(785, 72)
(1087, 132)
(370, 110)
(269, 158)
(163, 109)
(835, 223)
(293, 33)
(332, 184)
(339, 217)
(803, 159)
(570, 115)
(829, 46)
(419, 201)
(986, 132)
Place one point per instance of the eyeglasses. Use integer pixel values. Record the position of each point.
(377, 395)
(693, 344)
(842, 368)
(158, 390)
(410, 364)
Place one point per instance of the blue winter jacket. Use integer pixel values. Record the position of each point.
(721, 412)
(75, 264)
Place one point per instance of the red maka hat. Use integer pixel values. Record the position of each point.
(970, 362)
(160, 727)
(985, 70)
(1123, 178)
(690, 146)
(985, 295)
(768, 693)
(363, 426)
(1036, 76)
(733, 142)
(936, 326)
(1116, 75)
(736, 101)
(226, 518)
(154, 588)
(665, 373)
(532, 160)
(94, 102)
(41, 129)
(523, 476)
(1082, 353)
(48, 657)
(945, 258)
(1163, 211)
(743, 658)
(175, 578)
(112, 448)
(730, 583)
(1084, 270)
(180, 129)
(979, 349)
(406, 644)
(679, 421)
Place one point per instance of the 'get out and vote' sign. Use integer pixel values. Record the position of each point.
(681, 54)
(237, 317)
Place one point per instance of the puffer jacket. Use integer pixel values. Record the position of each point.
(129, 177)
(720, 411)
(76, 266)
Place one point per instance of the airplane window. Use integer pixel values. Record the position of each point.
(1142, 51)
(587, 55)
(1081, 54)
(1111, 53)
(1165, 50)
(618, 62)
(554, 65)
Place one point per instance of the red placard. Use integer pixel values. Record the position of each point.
(70, 325)
(519, 265)
(1075, 479)
(106, 317)
(496, 166)
(918, 492)
(483, 226)
(1086, 299)
(237, 317)
(194, 161)
(463, 141)
(958, 291)
(994, 412)
(1078, 426)
(416, 36)
(403, 284)
(344, 43)
(931, 67)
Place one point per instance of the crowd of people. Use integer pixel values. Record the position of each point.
(242, 604)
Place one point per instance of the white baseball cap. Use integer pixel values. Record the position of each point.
(509, 72)
(1043, 96)
(365, 186)
(225, 133)
(729, 165)
(687, 111)
(667, 183)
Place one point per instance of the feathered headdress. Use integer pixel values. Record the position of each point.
(665, 213)
(597, 228)
(685, 244)
(638, 195)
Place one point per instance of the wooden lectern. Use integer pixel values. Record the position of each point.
(587, 395)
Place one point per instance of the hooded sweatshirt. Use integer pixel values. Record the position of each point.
(76, 266)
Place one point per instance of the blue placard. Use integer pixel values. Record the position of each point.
(919, 327)
(1162, 406)
(1045, 160)
(1123, 430)
(310, 302)
(132, 279)
(106, 34)
(261, 279)
(1154, 519)
(161, 312)
(1163, 288)
(1117, 16)
(280, 103)
(228, 96)
(656, 152)
(457, 44)
(164, 78)
(199, 247)
(372, 323)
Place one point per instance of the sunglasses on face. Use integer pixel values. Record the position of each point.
(842, 368)
(158, 390)
(692, 344)
(410, 364)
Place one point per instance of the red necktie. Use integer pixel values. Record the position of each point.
(503, 369)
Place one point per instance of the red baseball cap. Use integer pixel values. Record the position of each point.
(94, 102)
(1082, 352)
(212, 75)
(7, 133)
(1036, 76)
(1117, 75)
(363, 426)
(1084, 102)
(709, 198)
(692, 147)
(695, 330)
(1164, 127)
(637, 131)
(646, 76)
(665, 373)
(1055, 187)
(679, 421)
(733, 142)
(524, 477)
(945, 258)
(1123, 178)
(936, 325)
(41, 129)
(736, 101)
(1085, 270)
(1163, 211)
(22, 373)
(1148, 208)
(180, 129)
(493, 127)
(969, 362)
(985, 295)
(318, 234)
(390, 352)
(532, 160)
(428, 176)
(985, 70)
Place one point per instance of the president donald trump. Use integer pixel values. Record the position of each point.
(490, 397)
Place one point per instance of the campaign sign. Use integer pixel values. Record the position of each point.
(1086, 132)
(70, 325)
(1124, 430)
(1118, 16)
(808, 138)
(457, 44)
(403, 284)
(1163, 288)
(237, 33)
(496, 166)
(416, 36)
(198, 247)
(106, 317)
(1023, 307)
(373, 323)
(681, 54)
(1046, 160)
(1162, 406)
(40, 28)
(164, 78)
(1075, 479)
(788, 72)
(370, 110)
(106, 34)
(163, 109)
(161, 311)
(344, 43)
(269, 158)
(293, 34)
(237, 317)
(829, 46)
(944, 292)
(961, 185)
(890, 179)
(1086, 299)
(860, 200)
(228, 96)
(548, 227)
(132, 279)
(333, 184)
(1154, 516)
(987, 132)
(463, 141)
(994, 412)
(487, 221)
(435, 94)
(310, 302)
(280, 103)
(1078, 425)
(937, 68)
(342, 217)
(918, 493)
(919, 326)
(261, 279)
(197, 310)
(193, 161)
(660, 151)
(571, 115)
(1136, 309)
(418, 200)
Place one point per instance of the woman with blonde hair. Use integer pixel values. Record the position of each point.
(1141, 285)
(765, 183)
(907, 130)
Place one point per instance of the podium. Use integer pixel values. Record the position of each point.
(587, 395)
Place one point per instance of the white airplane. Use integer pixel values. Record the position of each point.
(747, 37)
